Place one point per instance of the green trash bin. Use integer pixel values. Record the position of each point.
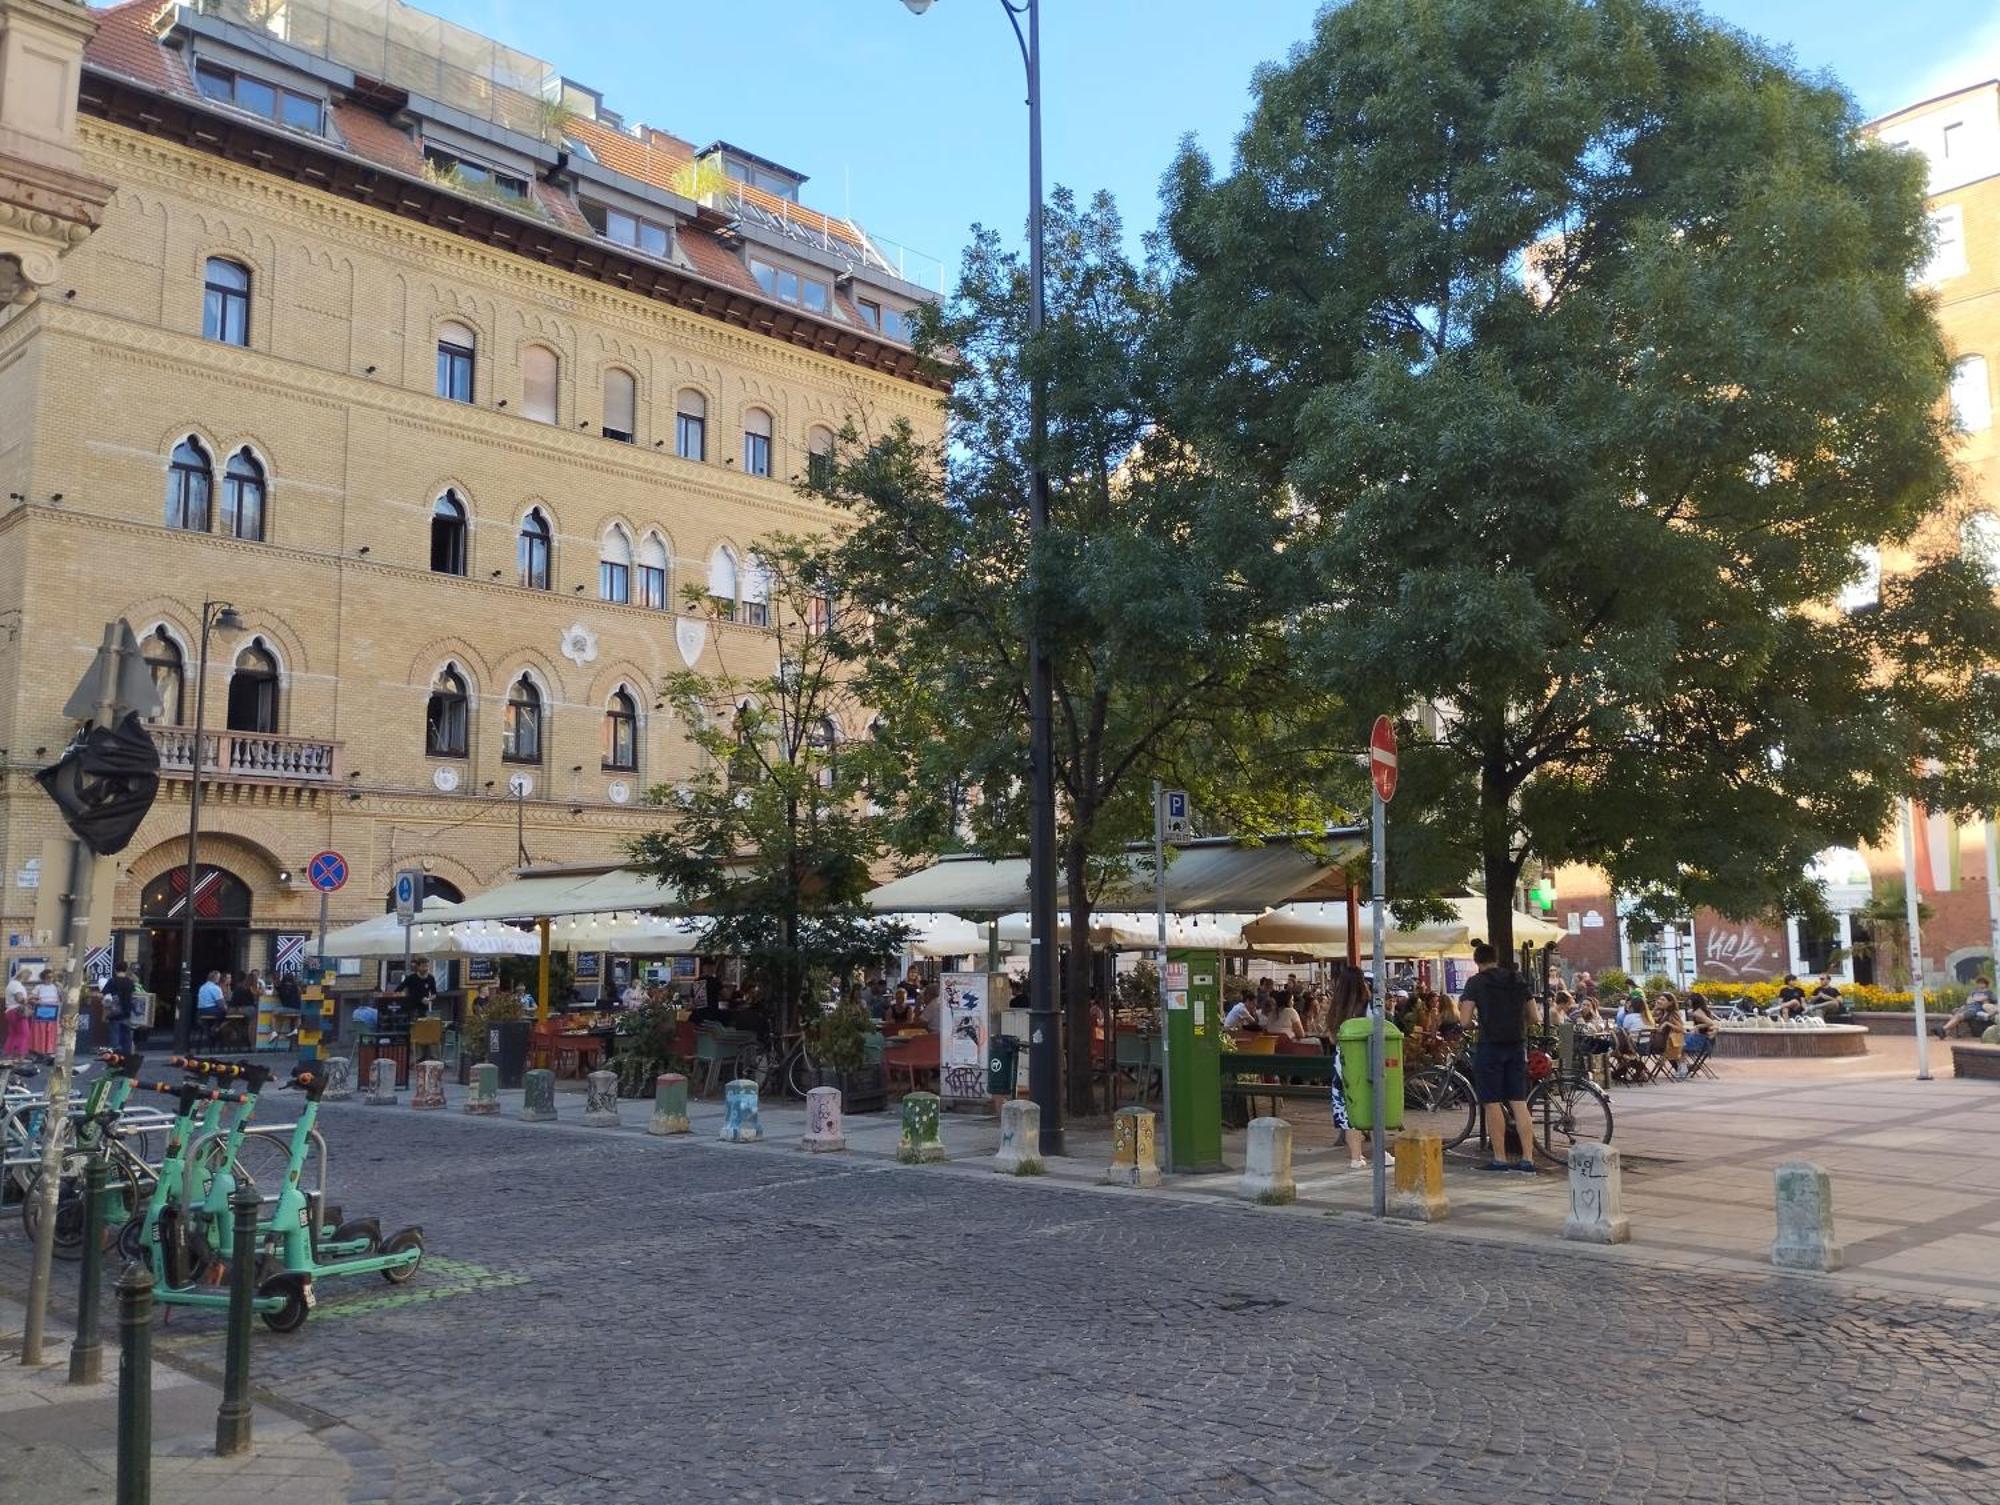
(1353, 1048)
(1003, 1065)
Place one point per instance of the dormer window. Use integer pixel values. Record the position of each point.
(301, 112)
(646, 235)
(788, 286)
(759, 173)
(463, 172)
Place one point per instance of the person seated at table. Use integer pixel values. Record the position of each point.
(1281, 1019)
(1242, 1015)
(1670, 1031)
(210, 1002)
(1310, 1007)
(633, 996)
(1404, 1009)
(902, 1010)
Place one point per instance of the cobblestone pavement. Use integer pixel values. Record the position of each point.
(618, 1318)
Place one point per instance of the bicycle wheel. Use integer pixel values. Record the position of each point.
(1568, 1112)
(800, 1075)
(1438, 1100)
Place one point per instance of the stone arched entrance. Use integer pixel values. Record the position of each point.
(221, 904)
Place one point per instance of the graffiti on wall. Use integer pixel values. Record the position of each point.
(1741, 951)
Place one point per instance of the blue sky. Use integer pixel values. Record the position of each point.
(914, 126)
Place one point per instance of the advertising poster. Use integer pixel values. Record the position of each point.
(962, 1024)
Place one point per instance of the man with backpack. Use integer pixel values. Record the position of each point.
(118, 1008)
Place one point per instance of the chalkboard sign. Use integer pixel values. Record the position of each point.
(480, 969)
(587, 966)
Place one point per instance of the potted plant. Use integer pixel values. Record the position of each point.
(472, 1040)
(645, 1045)
(837, 1043)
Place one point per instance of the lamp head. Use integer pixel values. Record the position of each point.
(917, 7)
(227, 619)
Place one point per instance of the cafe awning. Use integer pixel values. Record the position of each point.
(440, 933)
(1321, 930)
(1123, 930)
(550, 893)
(1220, 876)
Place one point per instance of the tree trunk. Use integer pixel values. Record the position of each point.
(1497, 860)
(1076, 986)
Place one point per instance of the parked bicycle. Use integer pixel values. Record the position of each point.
(1566, 1107)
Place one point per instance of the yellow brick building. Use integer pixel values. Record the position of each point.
(450, 382)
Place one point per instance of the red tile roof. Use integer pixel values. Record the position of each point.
(127, 43)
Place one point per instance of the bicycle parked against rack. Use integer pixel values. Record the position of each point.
(1566, 1107)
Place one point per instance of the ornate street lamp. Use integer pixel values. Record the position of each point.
(216, 616)
(1044, 1055)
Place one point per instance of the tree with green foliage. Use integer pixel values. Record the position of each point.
(769, 841)
(1159, 588)
(1588, 335)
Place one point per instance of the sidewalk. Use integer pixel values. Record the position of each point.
(64, 1438)
(1915, 1166)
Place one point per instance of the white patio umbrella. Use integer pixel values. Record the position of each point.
(1321, 930)
(1133, 931)
(434, 935)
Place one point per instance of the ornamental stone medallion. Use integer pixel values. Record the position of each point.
(690, 637)
(579, 645)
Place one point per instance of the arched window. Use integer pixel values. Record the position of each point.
(521, 724)
(722, 582)
(534, 550)
(189, 482)
(621, 405)
(652, 573)
(823, 749)
(539, 370)
(168, 666)
(253, 690)
(614, 567)
(691, 425)
(1972, 394)
(243, 497)
(1863, 590)
(757, 593)
(819, 457)
(1979, 542)
(448, 535)
(447, 719)
(621, 732)
(456, 348)
(225, 302)
(756, 443)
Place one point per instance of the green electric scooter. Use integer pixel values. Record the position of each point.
(187, 1269)
(361, 1236)
(300, 1252)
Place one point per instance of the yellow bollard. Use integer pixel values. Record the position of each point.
(1419, 1196)
(1134, 1154)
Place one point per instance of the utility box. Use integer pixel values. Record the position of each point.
(1194, 1060)
(1353, 1048)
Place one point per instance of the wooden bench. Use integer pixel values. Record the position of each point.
(1300, 1076)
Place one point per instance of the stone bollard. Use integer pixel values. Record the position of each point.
(538, 1102)
(1419, 1195)
(1805, 1219)
(339, 1079)
(1134, 1161)
(740, 1123)
(600, 1100)
(381, 1085)
(920, 1144)
(485, 1095)
(427, 1084)
(1020, 1152)
(824, 1130)
(1596, 1196)
(1267, 1166)
(670, 1104)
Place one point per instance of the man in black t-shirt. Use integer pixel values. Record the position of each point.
(418, 989)
(1497, 1002)
(118, 1009)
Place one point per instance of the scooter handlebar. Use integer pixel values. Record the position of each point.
(124, 1063)
(193, 1092)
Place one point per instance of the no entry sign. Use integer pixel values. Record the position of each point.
(1382, 758)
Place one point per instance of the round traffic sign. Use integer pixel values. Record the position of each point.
(327, 871)
(1382, 758)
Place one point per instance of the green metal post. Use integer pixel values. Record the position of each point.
(86, 1354)
(1194, 1060)
(232, 1417)
(135, 1385)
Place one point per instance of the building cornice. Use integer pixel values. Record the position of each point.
(286, 156)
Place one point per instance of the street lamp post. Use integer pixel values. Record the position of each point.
(217, 616)
(1044, 1036)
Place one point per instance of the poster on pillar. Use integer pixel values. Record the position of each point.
(963, 1025)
